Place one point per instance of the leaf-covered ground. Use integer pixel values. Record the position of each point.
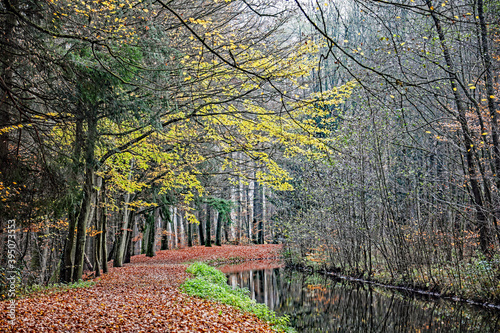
(142, 296)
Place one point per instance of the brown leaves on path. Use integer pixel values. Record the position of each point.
(202, 253)
(140, 297)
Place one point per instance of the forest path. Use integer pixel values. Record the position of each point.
(142, 296)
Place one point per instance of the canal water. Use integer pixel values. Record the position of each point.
(316, 303)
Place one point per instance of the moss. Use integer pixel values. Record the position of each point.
(210, 283)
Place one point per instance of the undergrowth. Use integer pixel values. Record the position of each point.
(210, 283)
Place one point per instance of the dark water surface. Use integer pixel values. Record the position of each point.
(316, 303)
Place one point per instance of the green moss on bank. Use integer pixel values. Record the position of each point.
(210, 283)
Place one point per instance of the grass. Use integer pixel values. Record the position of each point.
(210, 283)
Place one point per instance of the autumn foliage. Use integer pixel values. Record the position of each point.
(140, 297)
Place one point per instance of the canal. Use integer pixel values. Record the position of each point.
(317, 303)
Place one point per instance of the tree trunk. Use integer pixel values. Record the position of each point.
(490, 92)
(233, 214)
(250, 212)
(83, 220)
(103, 229)
(67, 264)
(240, 209)
(122, 240)
(85, 213)
(218, 234)
(174, 225)
(182, 236)
(150, 248)
(257, 207)
(481, 220)
(130, 235)
(200, 232)
(262, 230)
(8, 59)
(208, 240)
(98, 217)
(145, 235)
(189, 227)
(165, 230)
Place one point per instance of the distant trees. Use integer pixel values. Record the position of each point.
(115, 115)
(413, 187)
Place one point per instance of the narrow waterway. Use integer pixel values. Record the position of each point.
(316, 303)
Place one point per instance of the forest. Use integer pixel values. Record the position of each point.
(362, 135)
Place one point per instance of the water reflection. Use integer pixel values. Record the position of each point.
(318, 304)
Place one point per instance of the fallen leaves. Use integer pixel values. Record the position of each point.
(140, 297)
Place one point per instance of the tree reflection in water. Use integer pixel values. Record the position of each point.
(316, 303)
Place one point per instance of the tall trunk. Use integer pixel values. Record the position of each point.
(240, 209)
(200, 232)
(189, 227)
(174, 225)
(103, 229)
(82, 222)
(145, 235)
(481, 220)
(218, 234)
(208, 240)
(122, 238)
(67, 264)
(257, 208)
(165, 232)
(250, 212)
(68, 260)
(490, 92)
(227, 227)
(98, 217)
(150, 248)
(8, 24)
(130, 236)
(121, 241)
(182, 236)
(233, 214)
(262, 230)
(43, 244)
(84, 215)
(8, 58)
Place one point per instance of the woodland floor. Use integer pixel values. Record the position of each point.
(142, 296)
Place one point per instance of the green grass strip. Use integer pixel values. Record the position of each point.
(210, 283)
